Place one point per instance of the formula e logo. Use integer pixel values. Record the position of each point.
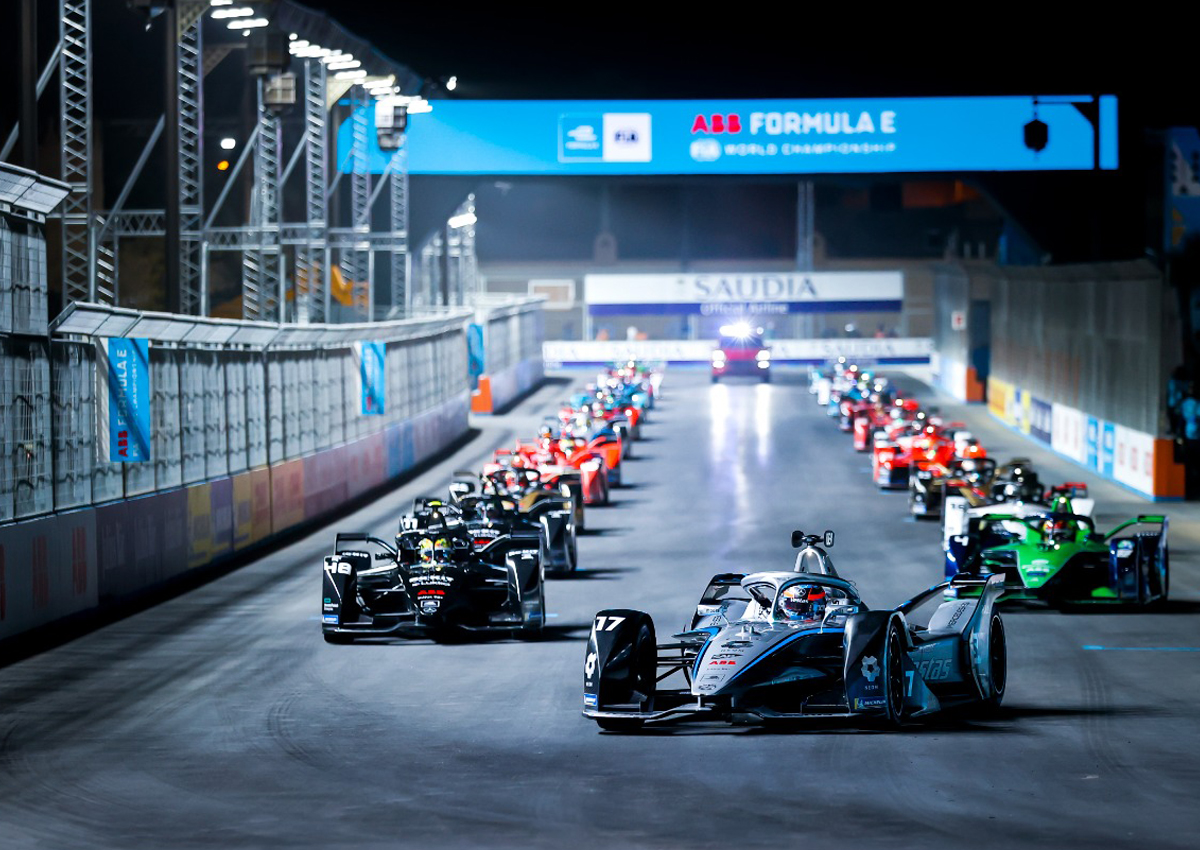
(870, 668)
(589, 668)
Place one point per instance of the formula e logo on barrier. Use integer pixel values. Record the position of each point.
(870, 668)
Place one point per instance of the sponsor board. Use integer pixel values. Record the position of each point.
(372, 376)
(1123, 454)
(123, 399)
(1068, 432)
(1133, 460)
(907, 350)
(741, 136)
(743, 293)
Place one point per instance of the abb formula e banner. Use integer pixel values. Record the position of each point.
(372, 376)
(947, 134)
(740, 294)
(123, 399)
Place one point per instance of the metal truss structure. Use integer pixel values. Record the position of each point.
(287, 267)
(262, 274)
(189, 55)
(75, 121)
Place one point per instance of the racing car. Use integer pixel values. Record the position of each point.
(741, 350)
(516, 498)
(782, 645)
(433, 582)
(1015, 489)
(1059, 558)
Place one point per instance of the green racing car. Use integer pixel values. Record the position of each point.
(1060, 558)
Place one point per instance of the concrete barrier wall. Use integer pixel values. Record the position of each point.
(1099, 338)
(513, 334)
(962, 328)
(77, 561)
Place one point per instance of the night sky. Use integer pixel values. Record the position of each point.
(735, 51)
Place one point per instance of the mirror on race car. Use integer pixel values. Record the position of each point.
(828, 538)
(797, 539)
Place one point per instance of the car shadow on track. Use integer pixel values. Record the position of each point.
(549, 634)
(602, 532)
(1005, 720)
(1171, 606)
(600, 574)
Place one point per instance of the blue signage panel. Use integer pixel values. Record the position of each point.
(128, 400)
(947, 134)
(373, 356)
(475, 350)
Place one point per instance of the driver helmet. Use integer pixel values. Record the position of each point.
(442, 551)
(802, 602)
(425, 551)
(1056, 530)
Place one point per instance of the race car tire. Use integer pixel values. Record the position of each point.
(644, 661)
(1154, 579)
(893, 679)
(997, 665)
(534, 630)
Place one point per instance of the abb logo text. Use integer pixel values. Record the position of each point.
(731, 123)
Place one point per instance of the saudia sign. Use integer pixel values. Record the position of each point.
(752, 292)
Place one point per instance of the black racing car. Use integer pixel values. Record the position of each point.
(434, 582)
(526, 504)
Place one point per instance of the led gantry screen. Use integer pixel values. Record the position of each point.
(948, 134)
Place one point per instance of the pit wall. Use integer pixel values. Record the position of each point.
(88, 559)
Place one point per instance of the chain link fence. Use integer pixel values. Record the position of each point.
(216, 409)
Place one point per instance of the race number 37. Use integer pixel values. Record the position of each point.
(607, 624)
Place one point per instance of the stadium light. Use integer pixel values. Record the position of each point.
(228, 143)
(239, 12)
(457, 221)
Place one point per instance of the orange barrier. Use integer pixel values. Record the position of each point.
(1169, 476)
(481, 398)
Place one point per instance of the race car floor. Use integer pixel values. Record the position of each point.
(220, 719)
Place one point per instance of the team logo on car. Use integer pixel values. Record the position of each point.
(870, 668)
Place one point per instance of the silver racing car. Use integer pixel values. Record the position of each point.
(799, 644)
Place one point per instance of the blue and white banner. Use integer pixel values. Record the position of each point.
(476, 353)
(743, 293)
(860, 135)
(123, 399)
(372, 375)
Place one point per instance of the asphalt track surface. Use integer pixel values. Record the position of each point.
(220, 719)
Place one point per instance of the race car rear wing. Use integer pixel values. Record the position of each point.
(352, 537)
